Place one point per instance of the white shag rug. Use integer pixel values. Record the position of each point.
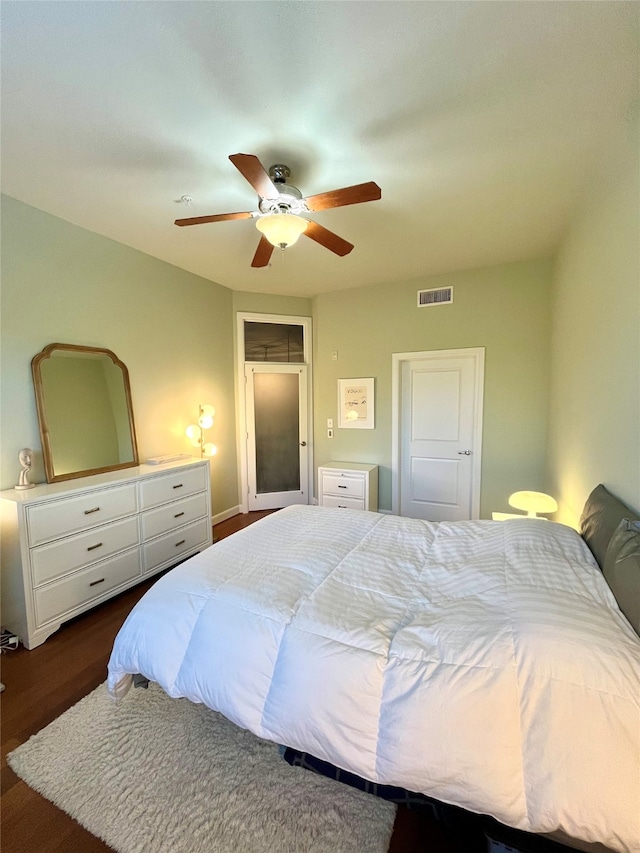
(161, 775)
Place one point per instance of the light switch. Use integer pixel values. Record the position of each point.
(329, 423)
(334, 355)
(329, 433)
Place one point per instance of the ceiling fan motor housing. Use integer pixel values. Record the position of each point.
(290, 199)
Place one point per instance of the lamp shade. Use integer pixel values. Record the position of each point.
(281, 229)
(533, 502)
(193, 433)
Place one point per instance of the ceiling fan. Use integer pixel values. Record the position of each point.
(280, 205)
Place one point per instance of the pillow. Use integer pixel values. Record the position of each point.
(601, 515)
(622, 569)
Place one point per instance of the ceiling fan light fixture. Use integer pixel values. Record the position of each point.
(281, 229)
(281, 209)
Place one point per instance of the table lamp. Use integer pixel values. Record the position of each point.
(533, 502)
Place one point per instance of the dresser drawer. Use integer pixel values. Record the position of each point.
(57, 599)
(170, 516)
(60, 518)
(170, 487)
(75, 552)
(343, 503)
(166, 549)
(342, 484)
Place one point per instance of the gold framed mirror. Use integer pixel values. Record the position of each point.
(85, 415)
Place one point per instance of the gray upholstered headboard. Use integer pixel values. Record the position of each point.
(611, 529)
(602, 513)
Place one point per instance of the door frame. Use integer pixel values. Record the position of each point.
(241, 406)
(282, 498)
(397, 360)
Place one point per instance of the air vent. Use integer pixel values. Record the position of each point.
(435, 296)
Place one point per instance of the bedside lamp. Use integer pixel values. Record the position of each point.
(533, 502)
(195, 432)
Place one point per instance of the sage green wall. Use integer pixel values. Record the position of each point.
(173, 330)
(267, 303)
(505, 309)
(595, 391)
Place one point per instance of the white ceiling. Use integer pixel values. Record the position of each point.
(480, 121)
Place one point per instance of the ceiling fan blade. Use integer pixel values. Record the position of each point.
(263, 253)
(217, 217)
(328, 239)
(348, 195)
(252, 169)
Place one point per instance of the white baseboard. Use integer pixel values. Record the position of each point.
(223, 516)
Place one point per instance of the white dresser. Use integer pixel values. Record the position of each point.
(349, 485)
(70, 545)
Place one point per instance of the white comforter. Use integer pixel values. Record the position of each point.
(482, 663)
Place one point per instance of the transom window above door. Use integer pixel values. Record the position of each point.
(279, 342)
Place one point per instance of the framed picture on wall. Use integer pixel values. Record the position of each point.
(355, 403)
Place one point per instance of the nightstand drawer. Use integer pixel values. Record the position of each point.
(67, 555)
(171, 547)
(173, 515)
(343, 503)
(57, 599)
(60, 518)
(343, 484)
(171, 487)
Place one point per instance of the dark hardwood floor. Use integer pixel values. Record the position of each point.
(43, 683)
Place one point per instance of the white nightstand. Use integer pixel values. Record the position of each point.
(348, 485)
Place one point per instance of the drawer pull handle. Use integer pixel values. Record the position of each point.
(179, 486)
(178, 514)
(342, 507)
(95, 583)
(342, 487)
(93, 547)
(89, 511)
(181, 542)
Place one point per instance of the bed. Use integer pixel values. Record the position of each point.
(485, 664)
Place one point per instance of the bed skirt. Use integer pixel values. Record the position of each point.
(496, 838)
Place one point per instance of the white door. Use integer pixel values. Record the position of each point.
(277, 435)
(440, 418)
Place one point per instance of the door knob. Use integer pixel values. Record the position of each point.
(464, 453)
(303, 444)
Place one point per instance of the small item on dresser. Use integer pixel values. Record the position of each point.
(161, 460)
(24, 457)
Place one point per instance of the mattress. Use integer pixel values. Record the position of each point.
(485, 664)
